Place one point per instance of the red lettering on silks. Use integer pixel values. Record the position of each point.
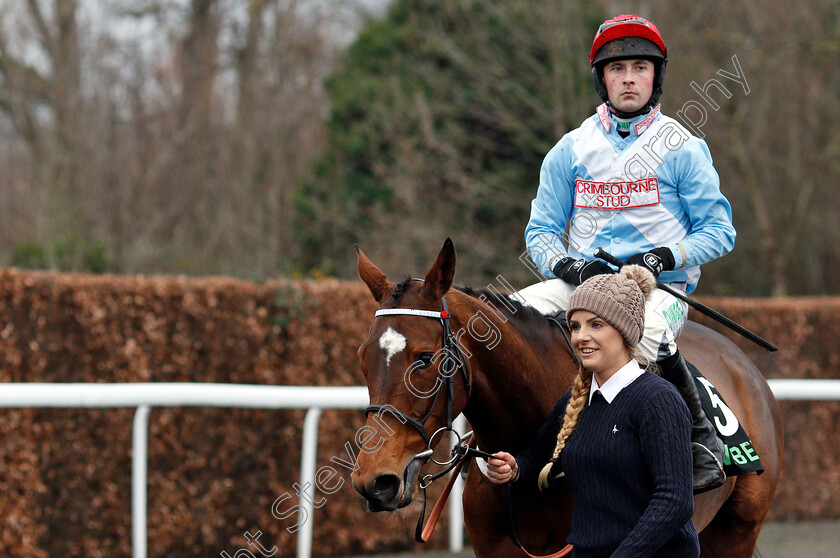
(613, 202)
(616, 195)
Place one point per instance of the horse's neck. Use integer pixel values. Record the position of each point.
(518, 374)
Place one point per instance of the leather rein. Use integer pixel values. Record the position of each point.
(463, 451)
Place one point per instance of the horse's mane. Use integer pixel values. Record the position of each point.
(507, 304)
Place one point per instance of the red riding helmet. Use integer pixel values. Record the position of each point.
(623, 37)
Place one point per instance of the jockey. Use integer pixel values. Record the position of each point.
(636, 183)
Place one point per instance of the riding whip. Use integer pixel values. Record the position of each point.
(702, 308)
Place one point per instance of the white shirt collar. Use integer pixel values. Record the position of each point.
(617, 382)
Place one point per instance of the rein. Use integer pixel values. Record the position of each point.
(466, 452)
(462, 452)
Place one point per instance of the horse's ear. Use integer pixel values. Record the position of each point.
(376, 281)
(439, 276)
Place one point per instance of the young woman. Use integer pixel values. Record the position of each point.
(621, 436)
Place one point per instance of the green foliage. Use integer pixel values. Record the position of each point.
(29, 255)
(71, 254)
(441, 114)
(95, 258)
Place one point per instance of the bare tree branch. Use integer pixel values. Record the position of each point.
(46, 38)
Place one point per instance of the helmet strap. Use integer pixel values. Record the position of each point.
(629, 115)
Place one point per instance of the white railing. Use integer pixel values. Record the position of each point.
(144, 396)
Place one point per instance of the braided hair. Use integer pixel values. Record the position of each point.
(580, 392)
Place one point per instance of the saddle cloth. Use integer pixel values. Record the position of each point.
(740, 457)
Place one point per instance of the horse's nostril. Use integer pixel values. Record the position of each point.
(384, 487)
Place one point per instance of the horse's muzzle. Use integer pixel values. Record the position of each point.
(387, 491)
(382, 493)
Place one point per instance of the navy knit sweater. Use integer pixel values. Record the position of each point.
(629, 467)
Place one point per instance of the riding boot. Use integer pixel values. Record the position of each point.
(706, 448)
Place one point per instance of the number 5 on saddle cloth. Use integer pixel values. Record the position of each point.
(740, 456)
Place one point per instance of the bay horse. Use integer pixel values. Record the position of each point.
(518, 365)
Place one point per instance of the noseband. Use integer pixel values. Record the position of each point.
(451, 348)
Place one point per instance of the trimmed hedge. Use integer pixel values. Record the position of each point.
(215, 473)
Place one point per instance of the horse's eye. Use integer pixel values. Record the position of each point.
(426, 359)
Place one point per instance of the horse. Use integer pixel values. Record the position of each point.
(514, 364)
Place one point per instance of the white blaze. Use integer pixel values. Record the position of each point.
(392, 342)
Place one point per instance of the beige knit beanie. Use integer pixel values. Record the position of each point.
(617, 298)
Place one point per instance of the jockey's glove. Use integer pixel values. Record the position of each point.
(575, 272)
(656, 261)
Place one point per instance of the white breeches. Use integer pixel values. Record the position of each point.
(665, 315)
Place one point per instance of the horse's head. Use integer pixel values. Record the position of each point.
(407, 365)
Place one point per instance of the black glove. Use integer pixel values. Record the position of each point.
(576, 272)
(656, 261)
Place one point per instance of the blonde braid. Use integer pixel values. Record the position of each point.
(577, 400)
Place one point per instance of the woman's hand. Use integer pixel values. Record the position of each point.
(502, 468)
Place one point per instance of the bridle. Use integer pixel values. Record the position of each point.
(446, 387)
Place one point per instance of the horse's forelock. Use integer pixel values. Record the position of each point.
(401, 287)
